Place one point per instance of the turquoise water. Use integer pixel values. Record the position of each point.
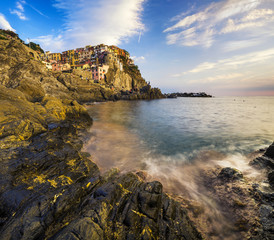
(182, 128)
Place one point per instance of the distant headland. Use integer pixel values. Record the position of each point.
(185, 94)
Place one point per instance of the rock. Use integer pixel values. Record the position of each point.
(270, 151)
(49, 189)
(175, 95)
(271, 178)
(267, 218)
(230, 174)
(266, 161)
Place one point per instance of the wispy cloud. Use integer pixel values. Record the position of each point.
(50, 42)
(236, 61)
(4, 24)
(241, 44)
(220, 77)
(225, 17)
(19, 10)
(138, 59)
(95, 22)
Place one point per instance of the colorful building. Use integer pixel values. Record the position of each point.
(99, 72)
(60, 67)
(83, 66)
(54, 56)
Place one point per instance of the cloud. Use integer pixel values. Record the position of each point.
(241, 44)
(138, 59)
(219, 77)
(93, 22)
(228, 65)
(235, 62)
(203, 66)
(4, 24)
(203, 28)
(19, 10)
(50, 42)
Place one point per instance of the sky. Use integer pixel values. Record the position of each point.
(221, 47)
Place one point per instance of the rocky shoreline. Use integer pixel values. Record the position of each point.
(52, 190)
(49, 189)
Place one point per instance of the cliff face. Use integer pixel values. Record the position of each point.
(49, 189)
(124, 76)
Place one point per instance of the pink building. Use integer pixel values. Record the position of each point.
(99, 72)
(56, 67)
(60, 67)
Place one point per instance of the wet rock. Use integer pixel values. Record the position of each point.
(270, 151)
(49, 189)
(271, 178)
(266, 161)
(230, 174)
(267, 219)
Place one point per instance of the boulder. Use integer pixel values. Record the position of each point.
(230, 174)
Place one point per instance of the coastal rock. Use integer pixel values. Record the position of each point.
(270, 177)
(266, 161)
(49, 189)
(230, 174)
(270, 151)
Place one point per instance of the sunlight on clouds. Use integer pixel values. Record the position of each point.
(228, 16)
(4, 24)
(221, 77)
(231, 8)
(236, 45)
(228, 65)
(236, 61)
(203, 66)
(54, 43)
(104, 21)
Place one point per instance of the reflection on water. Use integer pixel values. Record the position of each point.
(111, 145)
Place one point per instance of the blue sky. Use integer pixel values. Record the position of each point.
(222, 47)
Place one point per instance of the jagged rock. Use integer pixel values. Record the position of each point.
(267, 219)
(266, 160)
(49, 189)
(228, 174)
(270, 151)
(270, 177)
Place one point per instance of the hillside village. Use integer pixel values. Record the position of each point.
(95, 59)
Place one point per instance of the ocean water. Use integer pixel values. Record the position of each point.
(179, 141)
(179, 130)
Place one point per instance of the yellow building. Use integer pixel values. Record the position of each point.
(82, 66)
(54, 56)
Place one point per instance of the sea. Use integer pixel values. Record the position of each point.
(183, 143)
(128, 134)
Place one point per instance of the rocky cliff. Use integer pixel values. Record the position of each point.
(49, 189)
